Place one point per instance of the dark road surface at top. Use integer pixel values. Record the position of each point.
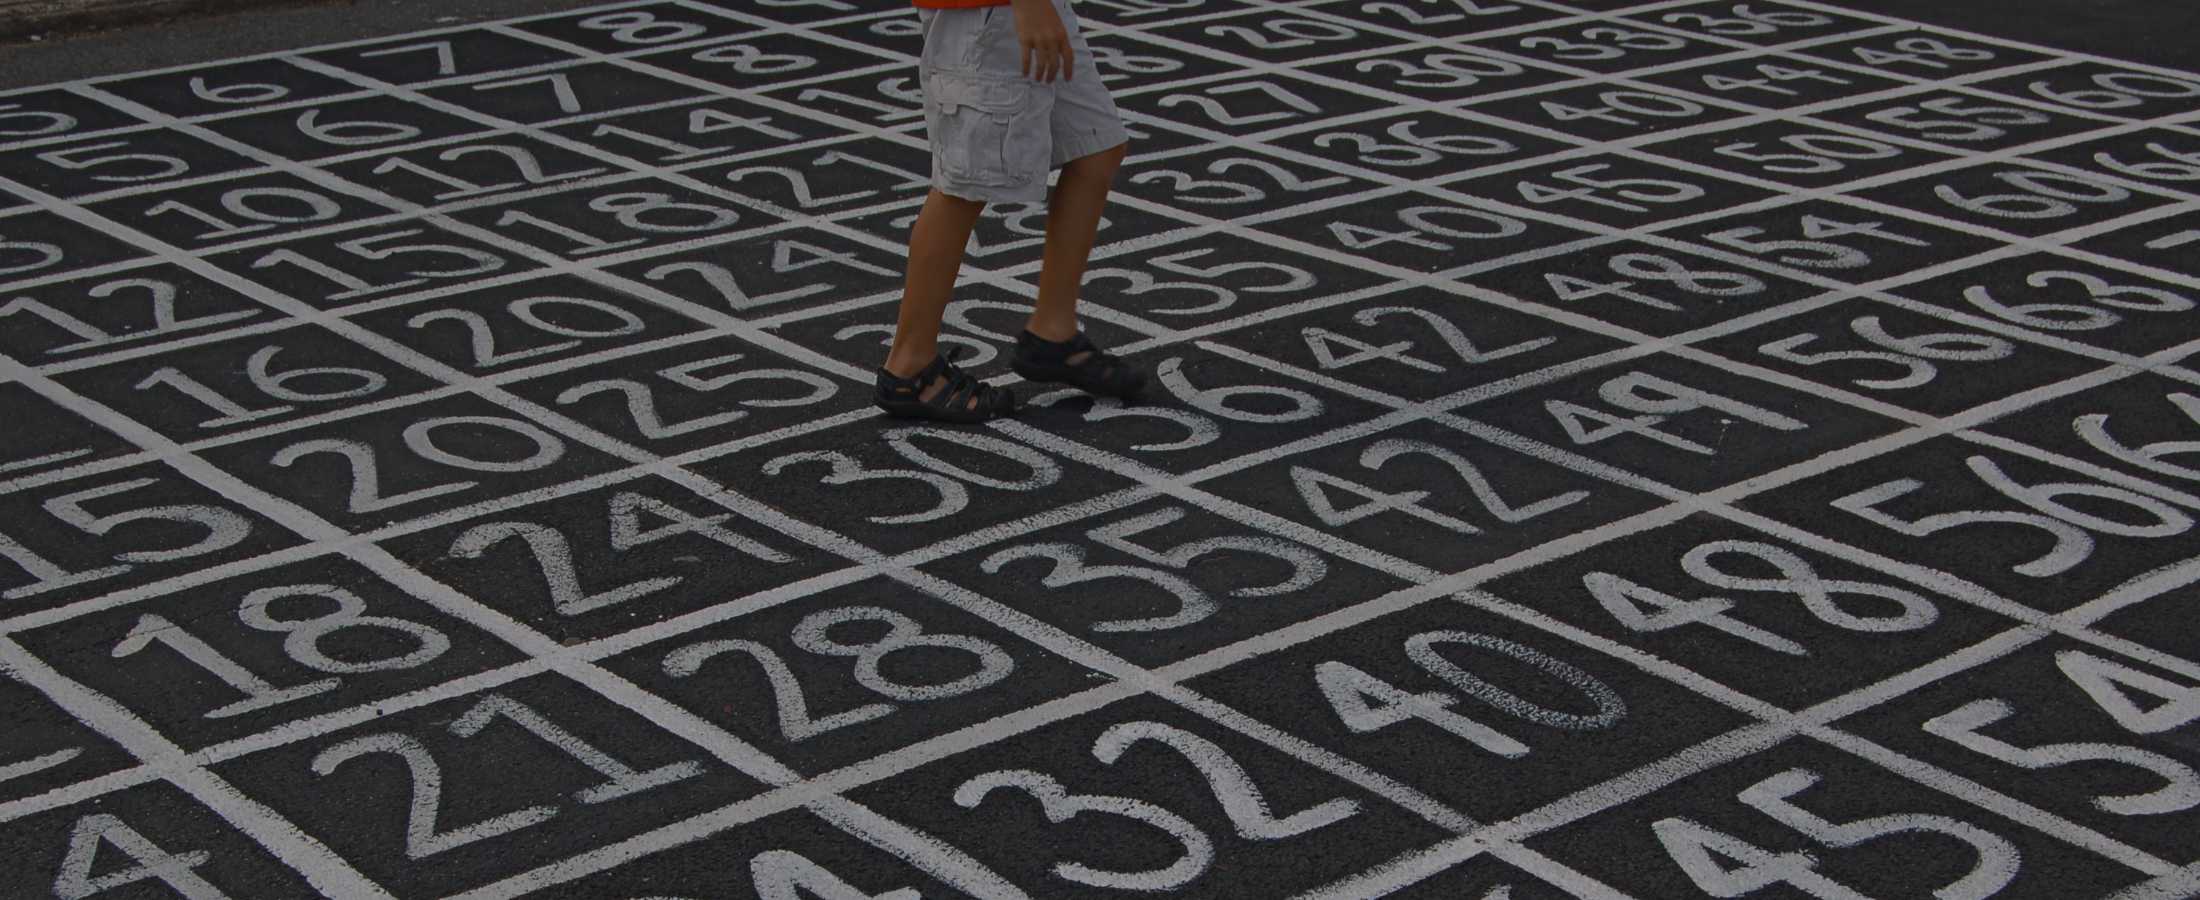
(1688, 449)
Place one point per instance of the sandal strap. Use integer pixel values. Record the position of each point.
(961, 388)
(1098, 372)
(1053, 353)
(961, 397)
(1109, 370)
(890, 383)
(988, 396)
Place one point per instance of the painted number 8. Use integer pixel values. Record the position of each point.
(306, 634)
(631, 208)
(814, 635)
(1651, 267)
(641, 28)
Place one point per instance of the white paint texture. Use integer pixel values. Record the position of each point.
(2128, 493)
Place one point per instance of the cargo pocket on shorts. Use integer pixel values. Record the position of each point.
(981, 140)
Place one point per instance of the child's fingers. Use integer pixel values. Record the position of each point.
(1038, 61)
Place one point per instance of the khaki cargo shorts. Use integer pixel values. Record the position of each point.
(995, 133)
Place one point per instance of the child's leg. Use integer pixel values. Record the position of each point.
(987, 126)
(1073, 220)
(936, 245)
(1089, 144)
(1052, 347)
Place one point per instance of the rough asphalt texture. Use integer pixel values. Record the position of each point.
(1601, 450)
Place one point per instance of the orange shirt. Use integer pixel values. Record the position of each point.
(957, 4)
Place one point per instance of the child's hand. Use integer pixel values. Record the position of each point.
(1045, 40)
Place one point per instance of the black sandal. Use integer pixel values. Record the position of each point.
(963, 399)
(1101, 372)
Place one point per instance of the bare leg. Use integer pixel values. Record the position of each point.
(1073, 220)
(935, 257)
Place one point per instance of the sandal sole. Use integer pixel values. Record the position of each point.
(922, 412)
(1039, 375)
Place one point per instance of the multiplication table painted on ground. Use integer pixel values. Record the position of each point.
(1597, 449)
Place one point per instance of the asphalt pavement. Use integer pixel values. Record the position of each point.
(1687, 449)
